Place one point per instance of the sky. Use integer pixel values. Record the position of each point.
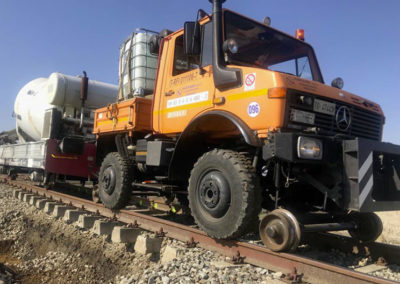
(358, 40)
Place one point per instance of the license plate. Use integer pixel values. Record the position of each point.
(324, 107)
(302, 116)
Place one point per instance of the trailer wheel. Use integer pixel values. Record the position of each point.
(114, 181)
(369, 226)
(224, 194)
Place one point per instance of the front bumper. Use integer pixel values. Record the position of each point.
(372, 172)
(371, 169)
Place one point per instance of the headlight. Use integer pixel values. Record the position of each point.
(309, 148)
(305, 100)
(302, 116)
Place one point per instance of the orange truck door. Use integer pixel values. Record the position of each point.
(187, 91)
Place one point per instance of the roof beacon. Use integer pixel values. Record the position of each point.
(300, 34)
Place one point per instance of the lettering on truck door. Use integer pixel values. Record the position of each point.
(188, 89)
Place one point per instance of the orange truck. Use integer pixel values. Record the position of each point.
(240, 122)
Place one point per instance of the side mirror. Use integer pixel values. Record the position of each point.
(191, 39)
(154, 44)
(337, 83)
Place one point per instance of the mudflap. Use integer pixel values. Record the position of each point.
(371, 175)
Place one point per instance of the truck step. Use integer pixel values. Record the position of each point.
(157, 186)
(146, 193)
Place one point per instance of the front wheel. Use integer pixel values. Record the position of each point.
(114, 181)
(224, 194)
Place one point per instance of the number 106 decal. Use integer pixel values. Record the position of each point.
(253, 109)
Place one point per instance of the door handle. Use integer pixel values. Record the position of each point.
(170, 93)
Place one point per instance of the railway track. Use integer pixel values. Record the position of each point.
(296, 268)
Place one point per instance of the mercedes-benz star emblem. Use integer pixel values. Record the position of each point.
(343, 118)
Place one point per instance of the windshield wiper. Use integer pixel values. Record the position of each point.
(302, 69)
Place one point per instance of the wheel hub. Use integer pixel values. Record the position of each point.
(108, 180)
(210, 194)
(214, 194)
(271, 232)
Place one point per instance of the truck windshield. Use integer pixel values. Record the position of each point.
(263, 47)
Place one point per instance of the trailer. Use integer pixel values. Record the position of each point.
(47, 158)
(54, 121)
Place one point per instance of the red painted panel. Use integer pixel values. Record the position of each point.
(70, 164)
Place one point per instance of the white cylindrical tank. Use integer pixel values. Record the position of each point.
(58, 91)
(29, 108)
(64, 90)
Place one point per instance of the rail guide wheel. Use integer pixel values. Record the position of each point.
(280, 230)
(368, 226)
(95, 194)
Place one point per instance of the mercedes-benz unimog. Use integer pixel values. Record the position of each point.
(230, 116)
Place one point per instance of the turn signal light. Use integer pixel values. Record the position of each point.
(277, 93)
(219, 100)
(300, 34)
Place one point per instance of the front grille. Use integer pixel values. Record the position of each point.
(364, 123)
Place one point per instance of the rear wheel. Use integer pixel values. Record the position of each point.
(224, 194)
(114, 181)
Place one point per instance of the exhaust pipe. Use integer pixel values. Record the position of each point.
(84, 91)
(224, 77)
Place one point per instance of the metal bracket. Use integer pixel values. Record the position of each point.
(191, 243)
(294, 277)
(160, 233)
(381, 261)
(238, 259)
(134, 224)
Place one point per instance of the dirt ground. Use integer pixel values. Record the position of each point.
(391, 227)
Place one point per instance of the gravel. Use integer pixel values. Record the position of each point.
(42, 249)
(197, 265)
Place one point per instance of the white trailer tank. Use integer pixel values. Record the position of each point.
(58, 91)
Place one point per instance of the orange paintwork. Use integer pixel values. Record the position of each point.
(179, 99)
(129, 115)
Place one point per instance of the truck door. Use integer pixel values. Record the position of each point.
(188, 88)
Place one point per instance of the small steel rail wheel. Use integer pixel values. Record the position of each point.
(294, 228)
(95, 194)
(184, 202)
(114, 181)
(275, 232)
(224, 194)
(368, 226)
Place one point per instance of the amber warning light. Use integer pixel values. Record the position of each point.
(300, 34)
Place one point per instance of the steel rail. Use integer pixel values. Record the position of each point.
(294, 266)
(380, 252)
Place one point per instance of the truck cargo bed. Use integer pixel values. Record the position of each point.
(130, 115)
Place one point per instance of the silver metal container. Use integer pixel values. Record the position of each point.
(29, 155)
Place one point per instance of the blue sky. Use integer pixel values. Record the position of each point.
(358, 40)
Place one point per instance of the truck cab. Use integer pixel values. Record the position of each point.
(240, 119)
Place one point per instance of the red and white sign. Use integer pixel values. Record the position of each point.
(250, 81)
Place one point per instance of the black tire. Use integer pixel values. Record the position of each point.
(369, 226)
(224, 194)
(114, 181)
